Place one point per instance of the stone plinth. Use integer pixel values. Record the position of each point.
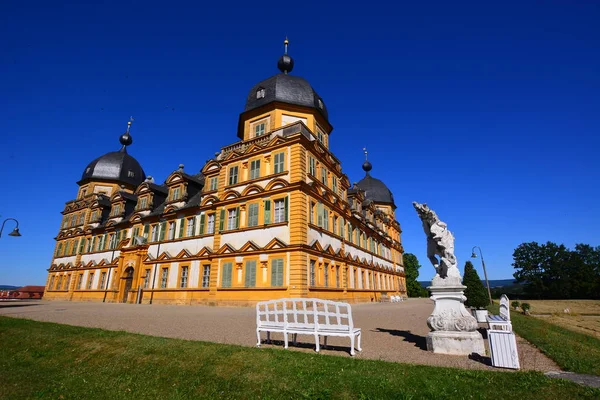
(454, 330)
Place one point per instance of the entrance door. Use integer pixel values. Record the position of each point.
(128, 283)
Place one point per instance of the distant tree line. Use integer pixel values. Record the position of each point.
(551, 271)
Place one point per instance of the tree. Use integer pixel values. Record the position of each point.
(411, 269)
(475, 292)
(551, 271)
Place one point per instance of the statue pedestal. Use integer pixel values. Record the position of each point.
(454, 330)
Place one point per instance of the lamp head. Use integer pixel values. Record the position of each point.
(15, 232)
(473, 255)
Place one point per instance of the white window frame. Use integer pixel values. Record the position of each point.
(231, 217)
(210, 224)
(279, 211)
(254, 169)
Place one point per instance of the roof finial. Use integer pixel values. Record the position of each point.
(125, 138)
(367, 166)
(285, 63)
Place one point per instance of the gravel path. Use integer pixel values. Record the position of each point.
(391, 331)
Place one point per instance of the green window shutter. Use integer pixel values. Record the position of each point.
(146, 230)
(267, 212)
(202, 221)
(277, 272)
(222, 220)
(237, 217)
(81, 246)
(320, 214)
(286, 209)
(250, 274)
(136, 232)
(75, 247)
(58, 249)
(163, 230)
(181, 225)
(226, 281)
(342, 222)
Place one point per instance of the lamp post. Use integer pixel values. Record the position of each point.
(158, 228)
(474, 255)
(15, 231)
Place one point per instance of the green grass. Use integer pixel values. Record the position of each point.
(572, 351)
(45, 360)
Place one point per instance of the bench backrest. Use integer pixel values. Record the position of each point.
(504, 307)
(305, 313)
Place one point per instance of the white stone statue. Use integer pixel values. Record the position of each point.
(453, 328)
(440, 243)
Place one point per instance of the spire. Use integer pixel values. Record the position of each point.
(367, 166)
(126, 138)
(285, 63)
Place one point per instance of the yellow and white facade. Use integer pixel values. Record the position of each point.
(271, 216)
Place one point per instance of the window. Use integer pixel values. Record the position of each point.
(113, 240)
(90, 280)
(337, 276)
(191, 225)
(154, 233)
(65, 222)
(253, 214)
(73, 220)
(320, 214)
(320, 102)
(250, 274)
(311, 217)
(267, 214)
(206, 276)
(102, 244)
(254, 169)
(280, 210)
(79, 281)
(259, 129)
(183, 281)
(312, 272)
(233, 219)
(260, 93)
(342, 223)
(171, 230)
(81, 246)
(334, 224)
(136, 232)
(146, 231)
(233, 175)
(116, 210)
(147, 279)
(325, 218)
(334, 185)
(130, 174)
(51, 285)
(320, 137)
(94, 216)
(59, 283)
(211, 224)
(214, 183)
(311, 166)
(164, 277)
(226, 279)
(59, 250)
(143, 203)
(83, 192)
(175, 193)
(278, 163)
(326, 275)
(81, 218)
(277, 272)
(324, 176)
(102, 280)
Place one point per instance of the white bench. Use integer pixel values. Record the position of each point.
(313, 317)
(502, 321)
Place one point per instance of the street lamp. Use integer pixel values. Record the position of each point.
(15, 231)
(473, 255)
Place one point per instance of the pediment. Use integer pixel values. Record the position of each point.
(275, 243)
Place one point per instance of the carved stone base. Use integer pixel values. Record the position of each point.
(455, 343)
(454, 330)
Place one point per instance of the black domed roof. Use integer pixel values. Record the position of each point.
(286, 89)
(375, 190)
(116, 166)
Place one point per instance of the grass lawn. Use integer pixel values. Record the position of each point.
(46, 360)
(572, 351)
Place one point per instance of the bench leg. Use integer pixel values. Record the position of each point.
(295, 340)
(324, 341)
(352, 353)
(359, 339)
(318, 345)
(258, 338)
(269, 337)
(285, 340)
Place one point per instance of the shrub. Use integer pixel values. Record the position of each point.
(515, 304)
(475, 292)
(525, 307)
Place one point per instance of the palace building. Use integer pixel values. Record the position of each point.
(270, 216)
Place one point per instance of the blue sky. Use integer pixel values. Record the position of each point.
(488, 112)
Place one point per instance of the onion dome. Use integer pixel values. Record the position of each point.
(285, 88)
(116, 166)
(375, 190)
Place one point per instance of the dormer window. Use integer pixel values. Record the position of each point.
(320, 102)
(142, 204)
(260, 93)
(130, 174)
(259, 129)
(175, 194)
(116, 210)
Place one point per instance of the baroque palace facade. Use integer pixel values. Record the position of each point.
(270, 216)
